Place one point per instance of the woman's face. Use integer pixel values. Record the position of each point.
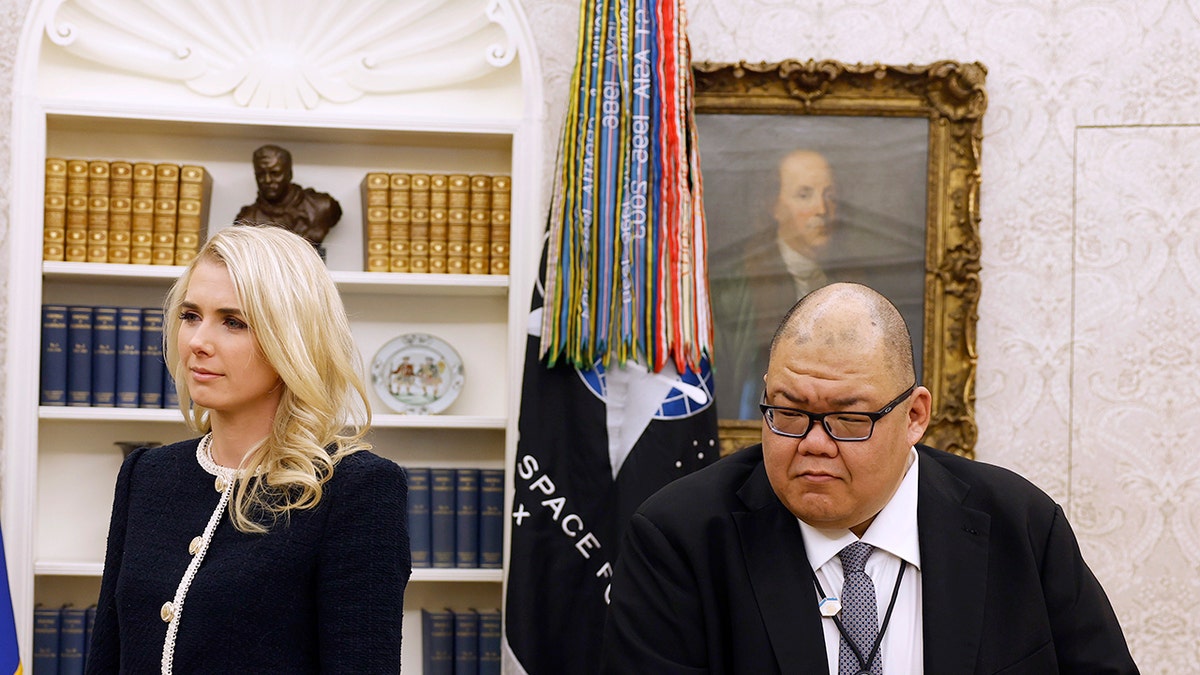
(804, 208)
(225, 369)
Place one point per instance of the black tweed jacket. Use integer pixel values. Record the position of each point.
(322, 592)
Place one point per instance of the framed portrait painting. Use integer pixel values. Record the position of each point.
(817, 172)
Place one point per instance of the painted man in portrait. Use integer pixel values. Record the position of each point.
(780, 262)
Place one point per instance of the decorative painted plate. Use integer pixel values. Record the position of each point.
(417, 374)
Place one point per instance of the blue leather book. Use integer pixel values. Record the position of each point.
(466, 642)
(170, 393)
(420, 546)
(466, 518)
(129, 356)
(79, 356)
(88, 626)
(441, 516)
(491, 518)
(437, 642)
(104, 357)
(54, 355)
(47, 624)
(71, 643)
(489, 642)
(150, 391)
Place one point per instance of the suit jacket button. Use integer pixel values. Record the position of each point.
(167, 612)
(194, 546)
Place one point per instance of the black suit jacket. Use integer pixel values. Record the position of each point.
(713, 578)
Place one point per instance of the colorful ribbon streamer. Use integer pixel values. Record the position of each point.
(626, 272)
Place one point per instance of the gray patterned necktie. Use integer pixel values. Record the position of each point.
(859, 613)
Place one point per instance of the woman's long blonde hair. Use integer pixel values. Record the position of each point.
(299, 322)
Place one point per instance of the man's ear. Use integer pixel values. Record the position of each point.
(919, 411)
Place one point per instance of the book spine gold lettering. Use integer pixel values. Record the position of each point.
(54, 219)
(400, 222)
(375, 187)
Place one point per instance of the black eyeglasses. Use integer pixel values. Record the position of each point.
(841, 426)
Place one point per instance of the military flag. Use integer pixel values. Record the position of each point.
(10, 653)
(617, 392)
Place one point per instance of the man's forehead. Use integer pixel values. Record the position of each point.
(841, 377)
(809, 162)
(831, 330)
(853, 350)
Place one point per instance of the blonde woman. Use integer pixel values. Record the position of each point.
(276, 542)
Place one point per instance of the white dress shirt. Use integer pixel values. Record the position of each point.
(893, 533)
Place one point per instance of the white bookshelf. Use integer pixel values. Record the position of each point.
(172, 416)
(72, 101)
(346, 280)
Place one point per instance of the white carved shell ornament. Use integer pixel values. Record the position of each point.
(291, 53)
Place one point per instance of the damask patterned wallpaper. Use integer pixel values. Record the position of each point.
(1090, 315)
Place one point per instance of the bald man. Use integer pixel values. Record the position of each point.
(738, 568)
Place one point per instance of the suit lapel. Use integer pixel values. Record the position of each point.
(772, 289)
(781, 579)
(954, 570)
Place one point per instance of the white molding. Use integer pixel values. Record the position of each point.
(172, 416)
(421, 284)
(94, 415)
(457, 575)
(392, 421)
(347, 281)
(28, 142)
(59, 568)
(289, 53)
(252, 121)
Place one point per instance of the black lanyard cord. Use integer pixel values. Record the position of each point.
(865, 664)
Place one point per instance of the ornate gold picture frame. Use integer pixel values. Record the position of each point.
(947, 99)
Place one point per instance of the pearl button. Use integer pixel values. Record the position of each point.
(194, 547)
(167, 612)
(219, 484)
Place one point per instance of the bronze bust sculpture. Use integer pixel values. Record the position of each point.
(305, 211)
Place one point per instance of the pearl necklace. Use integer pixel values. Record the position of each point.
(225, 481)
(224, 474)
